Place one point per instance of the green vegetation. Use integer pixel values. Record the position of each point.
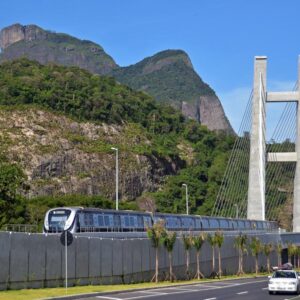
(82, 95)
(148, 128)
(168, 76)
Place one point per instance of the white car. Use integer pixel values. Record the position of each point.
(284, 281)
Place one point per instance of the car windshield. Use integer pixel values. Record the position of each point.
(284, 274)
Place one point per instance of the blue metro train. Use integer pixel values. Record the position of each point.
(79, 219)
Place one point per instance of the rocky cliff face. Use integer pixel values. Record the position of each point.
(44, 46)
(168, 76)
(17, 32)
(61, 156)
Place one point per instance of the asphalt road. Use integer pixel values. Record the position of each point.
(245, 289)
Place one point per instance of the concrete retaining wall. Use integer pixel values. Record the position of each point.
(36, 260)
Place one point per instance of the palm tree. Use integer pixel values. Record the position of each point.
(298, 256)
(156, 234)
(187, 243)
(268, 248)
(278, 249)
(219, 239)
(256, 248)
(240, 242)
(212, 241)
(297, 251)
(291, 251)
(169, 240)
(198, 242)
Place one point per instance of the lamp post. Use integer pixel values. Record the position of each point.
(236, 210)
(186, 198)
(117, 176)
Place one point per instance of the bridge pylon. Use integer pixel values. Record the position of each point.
(258, 155)
(257, 162)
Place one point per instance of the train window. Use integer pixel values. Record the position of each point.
(213, 223)
(234, 224)
(117, 221)
(81, 219)
(100, 220)
(259, 225)
(198, 223)
(241, 224)
(106, 220)
(140, 221)
(171, 222)
(133, 221)
(224, 224)
(147, 221)
(88, 219)
(205, 223)
(248, 224)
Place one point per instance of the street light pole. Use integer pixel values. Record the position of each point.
(117, 176)
(186, 198)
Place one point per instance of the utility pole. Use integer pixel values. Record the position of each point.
(117, 176)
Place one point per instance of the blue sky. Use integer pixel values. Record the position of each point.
(221, 36)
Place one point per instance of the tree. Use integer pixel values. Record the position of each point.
(187, 243)
(219, 238)
(278, 249)
(156, 234)
(12, 179)
(268, 248)
(298, 256)
(212, 241)
(240, 243)
(198, 242)
(169, 240)
(291, 251)
(256, 248)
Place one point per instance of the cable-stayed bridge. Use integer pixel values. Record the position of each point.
(262, 178)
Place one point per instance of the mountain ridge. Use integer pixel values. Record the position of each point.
(168, 76)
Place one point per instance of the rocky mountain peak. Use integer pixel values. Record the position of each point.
(163, 59)
(168, 75)
(17, 32)
(46, 46)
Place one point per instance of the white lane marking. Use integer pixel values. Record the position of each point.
(106, 297)
(206, 288)
(264, 288)
(242, 293)
(178, 289)
(154, 293)
(211, 286)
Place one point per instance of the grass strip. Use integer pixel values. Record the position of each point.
(36, 294)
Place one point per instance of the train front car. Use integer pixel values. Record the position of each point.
(60, 219)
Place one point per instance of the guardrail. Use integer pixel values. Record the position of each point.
(21, 228)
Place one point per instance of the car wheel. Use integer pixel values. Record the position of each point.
(270, 292)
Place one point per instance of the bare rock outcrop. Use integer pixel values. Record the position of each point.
(61, 156)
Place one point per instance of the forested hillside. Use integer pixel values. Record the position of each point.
(58, 127)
